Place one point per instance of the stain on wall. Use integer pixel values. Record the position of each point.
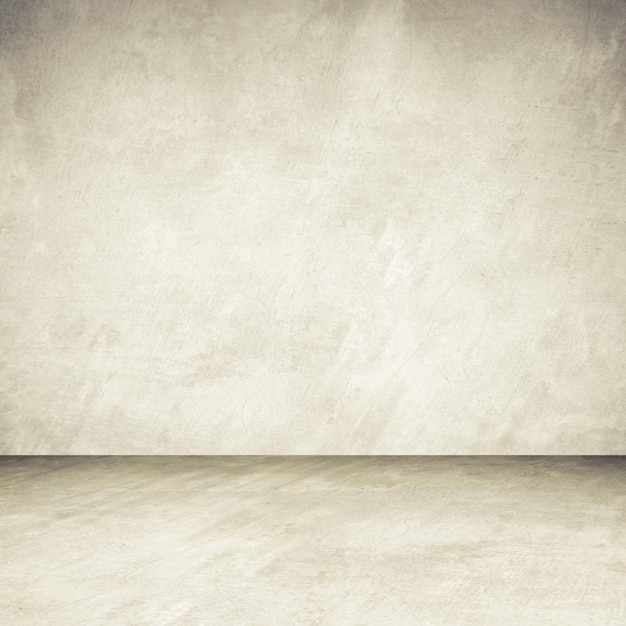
(277, 227)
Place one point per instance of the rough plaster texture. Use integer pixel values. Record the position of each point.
(278, 227)
(313, 541)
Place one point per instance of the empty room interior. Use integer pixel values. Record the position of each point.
(313, 312)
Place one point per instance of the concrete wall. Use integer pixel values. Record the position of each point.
(289, 227)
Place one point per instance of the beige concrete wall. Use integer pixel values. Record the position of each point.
(292, 227)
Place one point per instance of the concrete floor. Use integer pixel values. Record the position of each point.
(313, 540)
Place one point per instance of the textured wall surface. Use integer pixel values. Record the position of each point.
(278, 227)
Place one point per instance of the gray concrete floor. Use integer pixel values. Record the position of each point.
(313, 540)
